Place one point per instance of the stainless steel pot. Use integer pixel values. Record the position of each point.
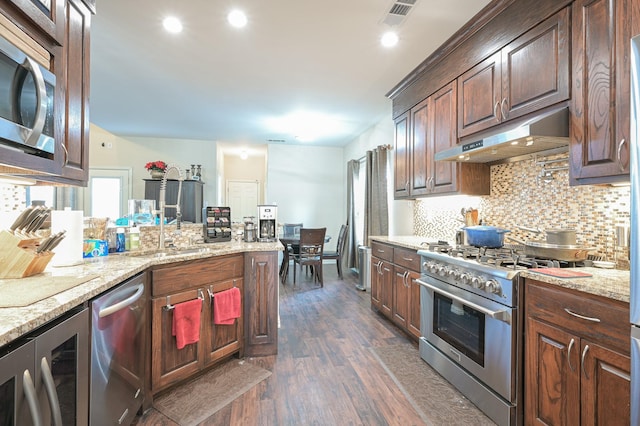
(567, 253)
(561, 236)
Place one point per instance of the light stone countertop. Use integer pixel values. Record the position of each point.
(611, 283)
(111, 270)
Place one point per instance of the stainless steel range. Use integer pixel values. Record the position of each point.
(471, 323)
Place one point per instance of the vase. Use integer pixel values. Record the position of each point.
(156, 174)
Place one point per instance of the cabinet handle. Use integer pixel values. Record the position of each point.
(379, 267)
(408, 259)
(502, 109)
(66, 154)
(584, 354)
(495, 111)
(592, 319)
(50, 386)
(406, 279)
(123, 416)
(32, 400)
(619, 154)
(573, 342)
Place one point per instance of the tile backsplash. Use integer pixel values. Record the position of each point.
(519, 196)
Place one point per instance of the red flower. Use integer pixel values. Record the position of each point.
(156, 165)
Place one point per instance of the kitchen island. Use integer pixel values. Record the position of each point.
(108, 271)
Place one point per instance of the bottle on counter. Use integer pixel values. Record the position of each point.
(134, 238)
(120, 240)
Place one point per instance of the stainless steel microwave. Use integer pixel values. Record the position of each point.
(27, 92)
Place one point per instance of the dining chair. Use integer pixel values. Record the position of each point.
(310, 252)
(289, 230)
(337, 255)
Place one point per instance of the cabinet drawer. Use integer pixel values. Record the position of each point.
(198, 273)
(406, 258)
(550, 303)
(382, 251)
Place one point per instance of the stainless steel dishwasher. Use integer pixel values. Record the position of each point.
(118, 339)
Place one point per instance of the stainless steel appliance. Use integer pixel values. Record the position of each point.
(249, 229)
(267, 226)
(634, 246)
(118, 339)
(26, 104)
(44, 376)
(471, 323)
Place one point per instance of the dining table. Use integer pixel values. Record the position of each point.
(294, 243)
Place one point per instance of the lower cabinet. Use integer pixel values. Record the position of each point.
(181, 282)
(394, 290)
(261, 300)
(577, 366)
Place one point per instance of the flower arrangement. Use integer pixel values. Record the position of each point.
(158, 166)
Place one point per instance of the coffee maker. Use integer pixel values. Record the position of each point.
(267, 226)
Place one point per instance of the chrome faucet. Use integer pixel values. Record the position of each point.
(163, 198)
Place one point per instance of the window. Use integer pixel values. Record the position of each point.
(107, 193)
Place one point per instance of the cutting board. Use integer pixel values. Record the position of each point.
(19, 292)
(561, 272)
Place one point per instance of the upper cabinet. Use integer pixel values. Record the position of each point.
(430, 127)
(600, 110)
(528, 74)
(60, 30)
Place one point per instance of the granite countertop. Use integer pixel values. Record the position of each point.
(110, 270)
(611, 283)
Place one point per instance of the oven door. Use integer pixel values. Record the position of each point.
(474, 332)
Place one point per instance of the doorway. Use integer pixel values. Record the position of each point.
(107, 193)
(243, 198)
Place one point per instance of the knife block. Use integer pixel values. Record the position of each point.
(18, 257)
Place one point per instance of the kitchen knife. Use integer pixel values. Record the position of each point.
(45, 243)
(21, 217)
(28, 219)
(36, 222)
(54, 243)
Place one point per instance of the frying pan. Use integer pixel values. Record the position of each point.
(568, 253)
(562, 236)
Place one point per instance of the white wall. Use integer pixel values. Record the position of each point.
(308, 184)
(135, 152)
(400, 212)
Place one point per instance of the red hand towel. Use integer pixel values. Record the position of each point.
(186, 322)
(226, 306)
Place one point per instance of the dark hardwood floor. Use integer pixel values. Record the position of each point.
(325, 372)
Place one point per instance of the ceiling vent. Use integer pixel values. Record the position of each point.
(398, 12)
(276, 141)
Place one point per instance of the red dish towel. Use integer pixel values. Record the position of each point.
(186, 322)
(226, 306)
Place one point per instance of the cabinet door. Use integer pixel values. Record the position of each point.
(261, 303)
(401, 169)
(401, 291)
(443, 136)
(413, 321)
(420, 170)
(73, 83)
(386, 289)
(15, 410)
(168, 363)
(479, 95)
(535, 68)
(605, 386)
(552, 375)
(46, 14)
(376, 283)
(599, 145)
(221, 340)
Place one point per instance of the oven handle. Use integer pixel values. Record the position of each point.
(503, 316)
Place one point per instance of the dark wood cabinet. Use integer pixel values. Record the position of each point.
(394, 290)
(432, 128)
(402, 157)
(59, 29)
(181, 282)
(600, 107)
(261, 303)
(577, 366)
(528, 74)
(191, 198)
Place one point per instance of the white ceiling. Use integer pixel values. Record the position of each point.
(214, 82)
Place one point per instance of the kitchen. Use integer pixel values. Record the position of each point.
(516, 192)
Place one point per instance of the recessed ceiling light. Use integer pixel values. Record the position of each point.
(237, 18)
(389, 39)
(244, 155)
(172, 24)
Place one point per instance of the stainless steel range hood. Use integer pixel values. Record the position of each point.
(547, 132)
